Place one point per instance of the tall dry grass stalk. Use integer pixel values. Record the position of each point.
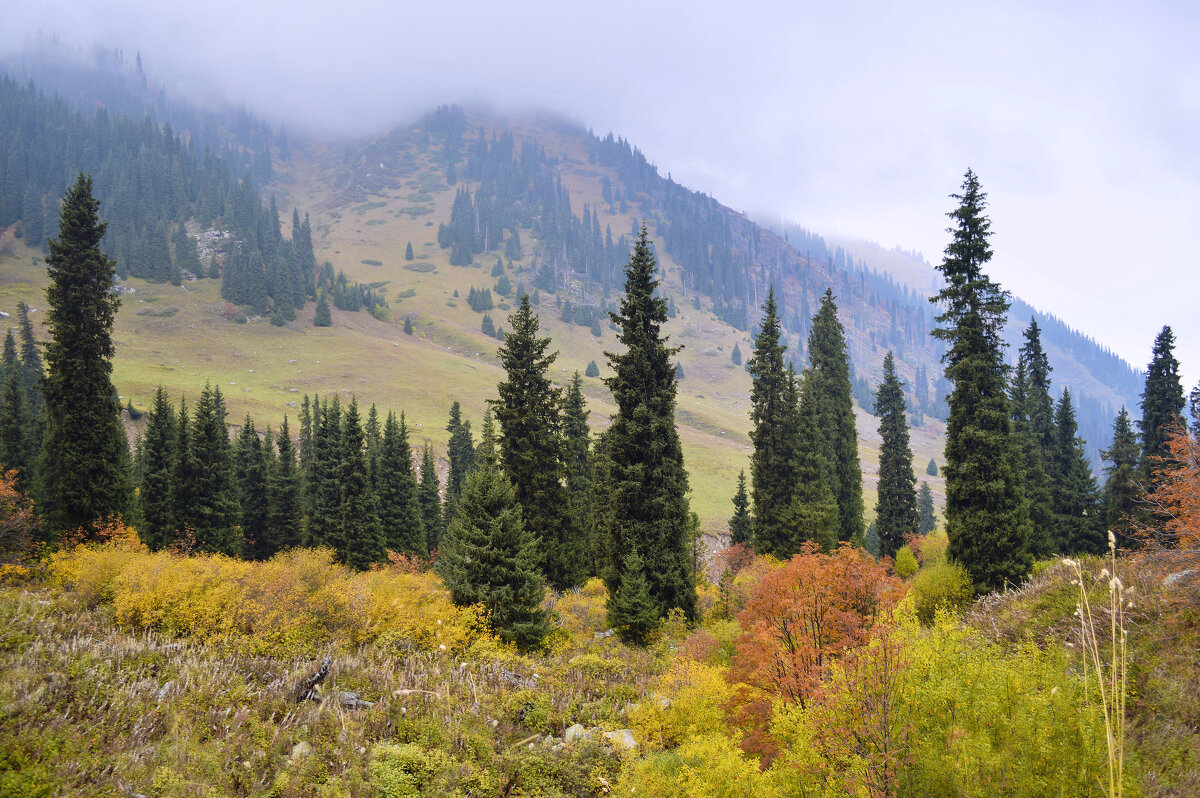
(1111, 671)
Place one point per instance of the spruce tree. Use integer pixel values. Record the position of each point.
(14, 429)
(485, 453)
(896, 515)
(324, 491)
(1162, 404)
(1033, 422)
(829, 364)
(214, 513)
(987, 519)
(489, 558)
(632, 612)
(32, 372)
(399, 505)
(1078, 519)
(184, 473)
(250, 470)
(158, 450)
(285, 487)
(740, 524)
(928, 516)
(359, 539)
(813, 511)
(322, 317)
(532, 449)
(579, 476)
(10, 364)
(773, 409)
(643, 484)
(1122, 488)
(431, 501)
(461, 454)
(85, 456)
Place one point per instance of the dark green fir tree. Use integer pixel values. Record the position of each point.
(429, 495)
(773, 414)
(829, 369)
(322, 317)
(1078, 516)
(158, 454)
(987, 518)
(489, 558)
(1162, 404)
(813, 510)
(399, 505)
(250, 470)
(359, 541)
(928, 515)
(896, 515)
(461, 454)
(643, 485)
(84, 460)
(285, 494)
(532, 449)
(1123, 492)
(740, 525)
(632, 613)
(579, 474)
(214, 514)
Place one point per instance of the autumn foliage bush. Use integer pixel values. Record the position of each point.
(298, 601)
(804, 614)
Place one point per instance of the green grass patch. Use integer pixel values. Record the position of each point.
(369, 262)
(368, 206)
(407, 293)
(159, 313)
(420, 268)
(373, 222)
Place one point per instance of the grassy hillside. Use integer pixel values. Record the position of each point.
(363, 220)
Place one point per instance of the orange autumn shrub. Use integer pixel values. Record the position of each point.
(18, 522)
(1176, 501)
(805, 614)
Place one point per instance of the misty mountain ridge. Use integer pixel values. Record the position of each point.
(714, 258)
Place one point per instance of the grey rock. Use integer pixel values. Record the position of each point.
(621, 739)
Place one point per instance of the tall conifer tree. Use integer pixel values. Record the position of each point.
(987, 519)
(813, 511)
(1078, 519)
(285, 488)
(1162, 404)
(925, 508)
(896, 514)
(85, 456)
(740, 524)
(399, 505)
(643, 484)
(461, 454)
(159, 524)
(773, 409)
(250, 469)
(532, 448)
(214, 513)
(431, 500)
(1122, 488)
(829, 364)
(359, 540)
(579, 474)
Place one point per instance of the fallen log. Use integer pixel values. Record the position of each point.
(307, 690)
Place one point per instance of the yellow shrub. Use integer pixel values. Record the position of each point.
(906, 562)
(691, 703)
(89, 572)
(944, 585)
(709, 766)
(582, 612)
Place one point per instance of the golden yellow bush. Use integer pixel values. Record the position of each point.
(690, 702)
(582, 611)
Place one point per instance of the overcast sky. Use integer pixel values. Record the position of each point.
(1082, 120)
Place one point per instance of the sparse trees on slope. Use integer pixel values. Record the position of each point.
(84, 458)
(829, 364)
(987, 519)
(896, 509)
(532, 450)
(643, 484)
